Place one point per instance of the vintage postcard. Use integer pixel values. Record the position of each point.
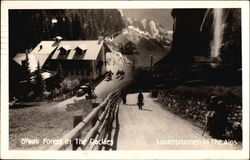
(125, 80)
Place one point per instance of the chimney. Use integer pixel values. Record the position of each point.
(58, 39)
(100, 39)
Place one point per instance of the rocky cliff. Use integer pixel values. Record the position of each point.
(193, 36)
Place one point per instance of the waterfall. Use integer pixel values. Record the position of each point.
(218, 32)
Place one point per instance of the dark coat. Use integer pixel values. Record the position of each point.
(140, 98)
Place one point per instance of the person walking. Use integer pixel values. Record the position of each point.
(140, 100)
(110, 73)
(124, 95)
(210, 114)
(118, 72)
(220, 120)
(216, 118)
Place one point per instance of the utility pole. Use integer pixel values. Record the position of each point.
(151, 63)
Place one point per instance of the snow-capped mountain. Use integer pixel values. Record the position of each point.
(150, 28)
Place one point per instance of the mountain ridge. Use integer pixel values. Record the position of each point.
(161, 16)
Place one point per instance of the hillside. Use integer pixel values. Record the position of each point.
(72, 24)
(150, 30)
(157, 23)
(145, 45)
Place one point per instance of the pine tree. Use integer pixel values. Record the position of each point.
(76, 28)
(36, 25)
(26, 77)
(27, 73)
(39, 81)
(60, 73)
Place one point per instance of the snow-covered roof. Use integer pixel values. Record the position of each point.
(82, 47)
(40, 53)
(66, 47)
(58, 38)
(46, 75)
(92, 46)
(32, 60)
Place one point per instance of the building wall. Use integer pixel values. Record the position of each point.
(81, 71)
(91, 73)
(103, 54)
(87, 69)
(99, 65)
(95, 71)
(78, 73)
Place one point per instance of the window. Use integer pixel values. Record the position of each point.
(62, 51)
(78, 51)
(65, 49)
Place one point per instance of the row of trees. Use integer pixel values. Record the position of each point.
(32, 80)
(33, 84)
(29, 27)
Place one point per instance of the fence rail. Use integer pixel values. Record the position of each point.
(105, 127)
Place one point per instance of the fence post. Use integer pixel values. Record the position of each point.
(77, 120)
(94, 105)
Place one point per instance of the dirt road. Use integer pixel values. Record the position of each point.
(155, 128)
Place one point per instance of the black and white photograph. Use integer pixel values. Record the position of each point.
(126, 78)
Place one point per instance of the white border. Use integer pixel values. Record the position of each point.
(173, 154)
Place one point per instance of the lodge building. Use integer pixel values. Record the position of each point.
(82, 59)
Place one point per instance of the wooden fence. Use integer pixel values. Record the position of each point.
(105, 126)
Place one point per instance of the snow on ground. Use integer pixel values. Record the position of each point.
(117, 62)
(105, 87)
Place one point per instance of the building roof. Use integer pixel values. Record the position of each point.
(40, 53)
(59, 37)
(46, 75)
(92, 47)
(82, 47)
(32, 60)
(43, 54)
(66, 47)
